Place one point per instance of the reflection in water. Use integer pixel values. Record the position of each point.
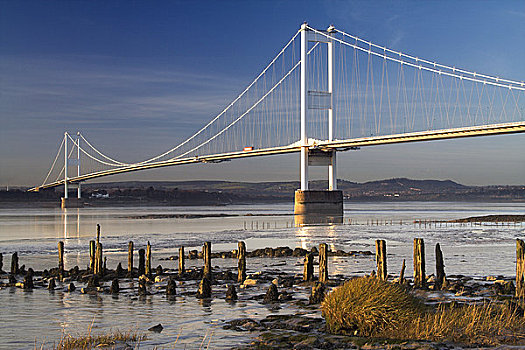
(71, 229)
(303, 220)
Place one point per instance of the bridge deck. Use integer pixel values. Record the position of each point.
(341, 145)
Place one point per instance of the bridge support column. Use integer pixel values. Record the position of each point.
(318, 206)
(71, 202)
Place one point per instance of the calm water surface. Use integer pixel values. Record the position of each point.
(477, 251)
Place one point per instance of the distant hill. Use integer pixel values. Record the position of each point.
(229, 192)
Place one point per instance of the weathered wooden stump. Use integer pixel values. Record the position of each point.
(142, 262)
(520, 268)
(308, 269)
(206, 254)
(419, 263)
(1, 262)
(119, 270)
(99, 267)
(181, 261)
(272, 295)
(115, 287)
(171, 288)
(93, 282)
(318, 293)
(323, 263)
(148, 260)
(204, 289)
(14, 264)
(231, 293)
(28, 280)
(382, 273)
(92, 252)
(402, 273)
(51, 284)
(130, 258)
(440, 269)
(241, 265)
(61, 258)
(98, 233)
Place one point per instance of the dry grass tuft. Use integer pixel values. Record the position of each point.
(367, 305)
(89, 341)
(487, 324)
(370, 307)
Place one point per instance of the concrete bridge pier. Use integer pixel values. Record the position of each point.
(71, 202)
(318, 207)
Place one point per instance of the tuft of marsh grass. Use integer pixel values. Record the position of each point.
(370, 307)
(367, 305)
(90, 341)
(487, 324)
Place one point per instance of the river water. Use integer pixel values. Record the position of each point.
(41, 316)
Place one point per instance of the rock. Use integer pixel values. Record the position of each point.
(299, 252)
(51, 284)
(115, 288)
(159, 270)
(171, 288)
(243, 324)
(193, 254)
(204, 289)
(71, 287)
(272, 295)
(93, 282)
(142, 285)
(161, 278)
(249, 282)
(284, 296)
(157, 329)
(231, 293)
(318, 293)
(491, 278)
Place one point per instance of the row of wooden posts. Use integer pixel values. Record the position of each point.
(419, 264)
(97, 265)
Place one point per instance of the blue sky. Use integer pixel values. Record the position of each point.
(136, 77)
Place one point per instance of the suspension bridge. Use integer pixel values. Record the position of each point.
(324, 92)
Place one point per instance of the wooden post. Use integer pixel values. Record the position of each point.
(241, 265)
(142, 259)
(130, 258)
(419, 263)
(98, 233)
(402, 273)
(381, 259)
(520, 268)
(1, 262)
(92, 251)
(440, 268)
(308, 270)
(181, 261)
(206, 254)
(14, 264)
(61, 258)
(148, 259)
(98, 260)
(323, 263)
